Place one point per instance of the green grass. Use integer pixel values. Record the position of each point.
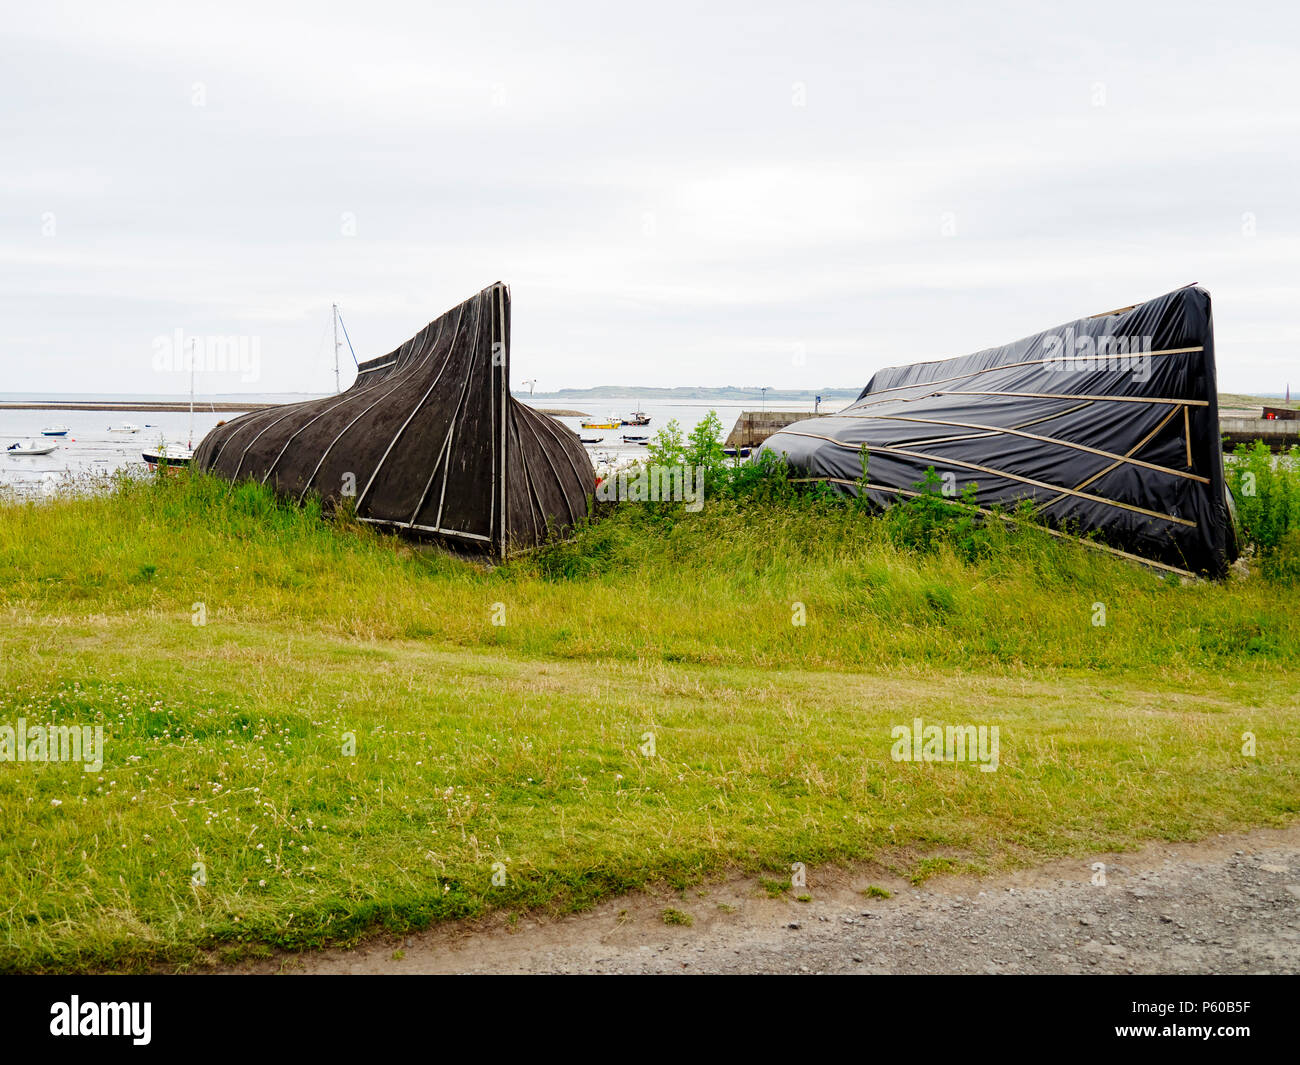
(647, 714)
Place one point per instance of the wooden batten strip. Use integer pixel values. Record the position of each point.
(414, 410)
(584, 478)
(500, 479)
(555, 473)
(980, 436)
(1095, 399)
(265, 429)
(427, 528)
(450, 445)
(1115, 465)
(442, 463)
(346, 396)
(948, 461)
(433, 349)
(1028, 362)
(536, 512)
(1046, 440)
(249, 421)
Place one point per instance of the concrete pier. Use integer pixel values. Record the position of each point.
(1278, 433)
(755, 426)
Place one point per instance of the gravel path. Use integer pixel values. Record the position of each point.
(1230, 904)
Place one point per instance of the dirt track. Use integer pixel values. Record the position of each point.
(1229, 904)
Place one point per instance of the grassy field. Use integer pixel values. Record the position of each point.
(313, 731)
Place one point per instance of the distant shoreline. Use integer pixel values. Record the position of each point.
(209, 406)
(200, 406)
(728, 394)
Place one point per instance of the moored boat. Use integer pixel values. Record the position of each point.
(167, 455)
(30, 448)
(125, 427)
(55, 430)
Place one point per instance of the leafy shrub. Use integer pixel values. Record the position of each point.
(1266, 489)
(928, 519)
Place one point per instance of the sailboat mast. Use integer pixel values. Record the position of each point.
(335, 308)
(190, 442)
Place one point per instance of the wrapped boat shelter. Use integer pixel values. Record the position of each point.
(1109, 424)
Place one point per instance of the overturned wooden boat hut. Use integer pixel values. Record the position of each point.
(1109, 424)
(427, 441)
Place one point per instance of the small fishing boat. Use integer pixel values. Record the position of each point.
(638, 417)
(636, 440)
(30, 448)
(167, 455)
(609, 423)
(170, 456)
(55, 430)
(125, 427)
(591, 439)
(609, 465)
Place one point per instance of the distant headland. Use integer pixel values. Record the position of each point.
(727, 393)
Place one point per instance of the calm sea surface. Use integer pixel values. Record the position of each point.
(89, 447)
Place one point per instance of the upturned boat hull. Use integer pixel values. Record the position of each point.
(427, 441)
(1108, 424)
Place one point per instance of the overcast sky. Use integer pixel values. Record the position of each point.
(790, 195)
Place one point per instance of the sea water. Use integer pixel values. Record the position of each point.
(90, 449)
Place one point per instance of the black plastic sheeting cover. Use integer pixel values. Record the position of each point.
(1110, 424)
(427, 441)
